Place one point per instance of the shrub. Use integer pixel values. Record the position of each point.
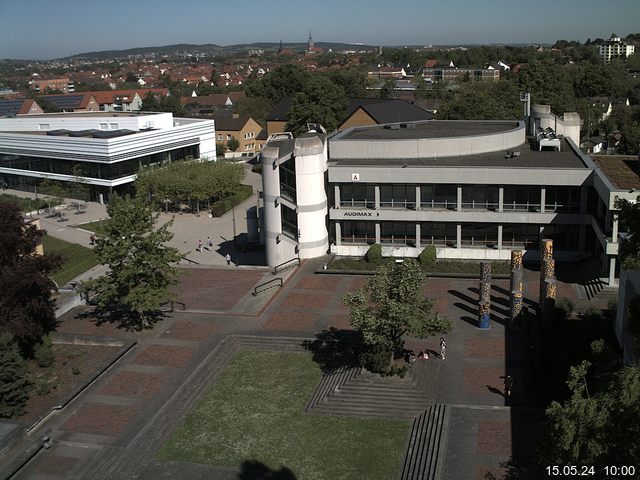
(564, 308)
(76, 370)
(374, 254)
(427, 257)
(13, 381)
(43, 353)
(223, 206)
(376, 358)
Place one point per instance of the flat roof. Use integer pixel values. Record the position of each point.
(428, 129)
(621, 170)
(90, 114)
(528, 158)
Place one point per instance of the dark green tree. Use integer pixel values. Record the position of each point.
(388, 89)
(256, 107)
(233, 144)
(321, 101)
(483, 101)
(27, 311)
(353, 80)
(141, 270)
(14, 386)
(630, 243)
(549, 83)
(284, 81)
(392, 305)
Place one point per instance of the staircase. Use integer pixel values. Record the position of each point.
(423, 458)
(357, 392)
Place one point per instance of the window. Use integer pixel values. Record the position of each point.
(438, 233)
(114, 126)
(398, 233)
(439, 196)
(44, 126)
(229, 136)
(362, 233)
(220, 137)
(104, 126)
(522, 197)
(479, 197)
(357, 195)
(289, 222)
(479, 235)
(398, 196)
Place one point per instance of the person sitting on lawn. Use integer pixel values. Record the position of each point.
(424, 355)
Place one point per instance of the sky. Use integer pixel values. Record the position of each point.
(45, 29)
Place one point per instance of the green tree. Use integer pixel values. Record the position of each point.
(388, 89)
(321, 101)
(594, 428)
(233, 144)
(392, 305)
(140, 271)
(423, 90)
(483, 101)
(79, 186)
(256, 107)
(27, 311)
(14, 386)
(284, 81)
(630, 243)
(549, 83)
(353, 80)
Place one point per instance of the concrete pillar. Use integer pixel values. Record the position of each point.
(614, 234)
(376, 194)
(501, 199)
(338, 234)
(458, 236)
(612, 271)
(418, 197)
(417, 235)
(499, 237)
(543, 198)
(336, 194)
(377, 232)
(459, 198)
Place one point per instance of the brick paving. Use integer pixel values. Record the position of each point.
(134, 384)
(164, 356)
(482, 432)
(56, 465)
(490, 472)
(102, 419)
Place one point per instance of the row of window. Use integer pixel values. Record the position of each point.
(526, 198)
(472, 234)
(104, 171)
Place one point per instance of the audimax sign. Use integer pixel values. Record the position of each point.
(359, 214)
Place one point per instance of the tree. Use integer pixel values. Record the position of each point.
(79, 186)
(483, 101)
(256, 107)
(630, 243)
(353, 80)
(321, 101)
(140, 264)
(391, 305)
(27, 311)
(284, 81)
(423, 90)
(601, 428)
(13, 377)
(233, 144)
(388, 89)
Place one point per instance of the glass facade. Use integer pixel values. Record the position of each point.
(398, 196)
(357, 195)
(287, 171)
(522, 197)
(398, 233)
(359, 233)
(437, 233)
(480, 197)
(562, 199)
(104, 171)
(520, 236)
(289, 222)
(439, 196)
(479, 235)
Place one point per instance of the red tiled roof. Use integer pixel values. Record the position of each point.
(108, 97)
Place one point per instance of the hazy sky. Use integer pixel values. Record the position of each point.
(56, 28)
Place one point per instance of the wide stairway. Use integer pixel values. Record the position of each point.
(354, 391)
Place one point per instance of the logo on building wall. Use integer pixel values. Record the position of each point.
(360, 214)
(355, 177)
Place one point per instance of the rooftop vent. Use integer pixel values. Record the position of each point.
(393, 126)
(512, 154)
(407, 125)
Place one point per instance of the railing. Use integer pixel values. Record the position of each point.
(358, 203)
(274, 282)
(285, 265)
(446, 205)
(480, 205)
(357, 240)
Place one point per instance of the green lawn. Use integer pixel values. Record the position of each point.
(76, 259)
(255, 412)
(91, 226)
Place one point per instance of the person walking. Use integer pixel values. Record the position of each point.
(228, 258)
(508, 386)
(210, 243)
(199, 246)
(443, 348)
(92, 239)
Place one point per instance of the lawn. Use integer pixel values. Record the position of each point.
(255, 412)
(76, 259)
(90, 226)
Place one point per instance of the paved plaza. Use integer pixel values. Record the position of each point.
(115, 427)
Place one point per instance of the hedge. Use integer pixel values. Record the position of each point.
(223, 206)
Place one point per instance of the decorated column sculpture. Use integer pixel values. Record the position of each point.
(516, 287)
(547, 280)
(484, 308)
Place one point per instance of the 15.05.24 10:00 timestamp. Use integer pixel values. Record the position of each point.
(586, 471)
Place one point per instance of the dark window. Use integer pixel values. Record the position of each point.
(480, 197)
(479, 235)
(520, 236)
(357, 195)
(358, 232)
(288, 179)
(398, 233)
(398, 196)
(289, 222)
(437, 233)
(439, 196)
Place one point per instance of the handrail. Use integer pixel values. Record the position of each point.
(275, 269)
(280, 284)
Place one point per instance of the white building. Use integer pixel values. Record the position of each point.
(109, 147)
(615, 48)
(474, 189)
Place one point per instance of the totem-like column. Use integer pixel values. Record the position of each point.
(549, 305)
(484, 309)
(484, 316)
(546, 253)
(516, 289)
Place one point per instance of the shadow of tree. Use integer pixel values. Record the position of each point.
(122, 318)
(254, 470)
(335, 348)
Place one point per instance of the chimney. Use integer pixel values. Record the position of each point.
(236, 115)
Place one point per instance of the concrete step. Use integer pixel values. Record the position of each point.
(367, 392)
(425, 451)
(388, 403)
(363, 411)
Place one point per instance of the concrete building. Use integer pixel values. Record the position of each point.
(110, 148)
(615, 48)
(475, 189)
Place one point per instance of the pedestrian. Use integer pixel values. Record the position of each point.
(228, 258)
(199, 246)
(210, 243)
(443, 348)
(508, 386)
(92, 239)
